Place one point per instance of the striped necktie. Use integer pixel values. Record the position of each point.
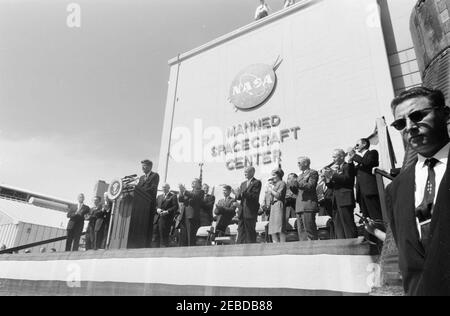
(424, 211)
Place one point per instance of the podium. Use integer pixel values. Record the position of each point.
(131, 222)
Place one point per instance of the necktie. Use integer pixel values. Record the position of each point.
(424, 211)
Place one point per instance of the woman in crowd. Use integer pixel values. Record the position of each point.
(277, 221)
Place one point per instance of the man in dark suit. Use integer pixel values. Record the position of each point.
(225, 211)
(76, 224)
(92, 219)
(306, 206)
(167, 205)
(206, 213)
(418, 200)
(366, 183)
(190, 212)
(149, 184)
(341, 179)
(102, 224)
(248, 193)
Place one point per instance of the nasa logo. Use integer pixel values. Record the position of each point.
(115, 189)
(252, 86)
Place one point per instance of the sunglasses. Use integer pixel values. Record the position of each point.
(415, 117)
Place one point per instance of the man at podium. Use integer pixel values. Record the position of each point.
(149, 184)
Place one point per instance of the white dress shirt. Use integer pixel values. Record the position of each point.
(422, 173)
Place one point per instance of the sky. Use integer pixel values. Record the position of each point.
(78, 105)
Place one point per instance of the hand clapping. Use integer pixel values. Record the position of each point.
(351, 154)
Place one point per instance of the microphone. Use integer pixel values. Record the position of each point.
(130, 177)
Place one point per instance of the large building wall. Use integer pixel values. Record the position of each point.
(334, 82)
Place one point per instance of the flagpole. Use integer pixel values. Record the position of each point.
(108, 240)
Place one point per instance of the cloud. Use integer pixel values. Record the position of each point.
(57, 167)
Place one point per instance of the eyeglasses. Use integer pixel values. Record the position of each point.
(415, 117)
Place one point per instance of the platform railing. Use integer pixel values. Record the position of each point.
(35, 244)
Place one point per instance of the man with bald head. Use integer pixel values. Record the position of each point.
(248, 194)
(306, 206)
(167, 205)
(341, 180)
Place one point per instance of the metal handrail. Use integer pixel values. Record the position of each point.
(35, 244)
(384, 174)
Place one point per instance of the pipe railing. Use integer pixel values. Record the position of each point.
(384, 174)
(35, 244)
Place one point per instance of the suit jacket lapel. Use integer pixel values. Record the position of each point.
(366, 154)
(406, 194)
(226, 202)
(164, 201)
(142, 180)
(443, 194)
(168, 198)
(305, 174)
(249, 186)
(243, 186)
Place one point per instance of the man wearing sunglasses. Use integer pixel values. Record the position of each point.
(419, 198)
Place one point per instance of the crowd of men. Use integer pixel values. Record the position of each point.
(302, 196)
(418, 200)
(330, 191)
